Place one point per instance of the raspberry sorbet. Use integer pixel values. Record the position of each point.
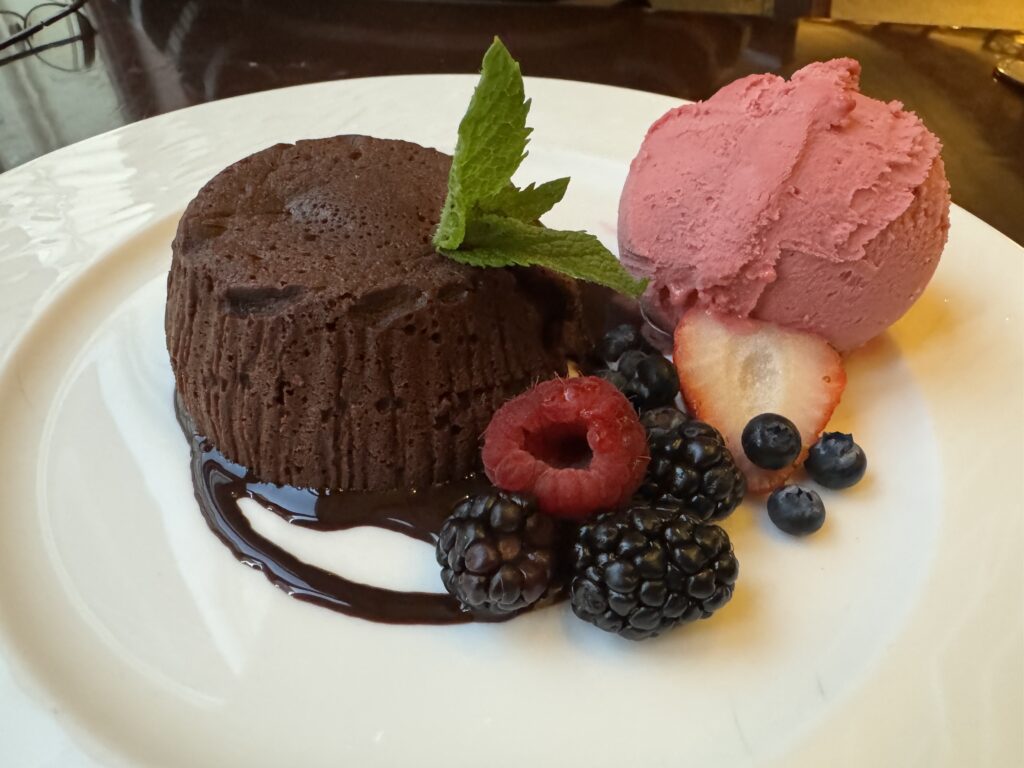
(800, 202)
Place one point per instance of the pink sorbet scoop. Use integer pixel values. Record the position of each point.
(804, 203)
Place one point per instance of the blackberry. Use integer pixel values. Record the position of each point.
(835, 461)
(771, 441)
(646, 569)
(796, 511)
(498, 553)
(690, 466)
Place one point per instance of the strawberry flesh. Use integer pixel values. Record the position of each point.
(733, 369)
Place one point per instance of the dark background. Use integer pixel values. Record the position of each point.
(145, 57)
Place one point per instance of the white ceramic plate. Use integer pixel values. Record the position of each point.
(131, 636)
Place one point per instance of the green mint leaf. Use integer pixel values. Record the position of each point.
(500, 241)
(491, 145)
(489, 222)
(527, 204)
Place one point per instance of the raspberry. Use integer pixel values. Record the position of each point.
(575, 444)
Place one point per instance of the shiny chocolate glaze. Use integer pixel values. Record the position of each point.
(219, 484)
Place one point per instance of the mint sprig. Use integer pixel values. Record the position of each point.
(526, 204)
(504, 241)
(492, 143)
(489, 222)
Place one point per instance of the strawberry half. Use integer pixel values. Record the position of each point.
(732, 370)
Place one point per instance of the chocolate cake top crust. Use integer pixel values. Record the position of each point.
(317, 337)
(352, 213)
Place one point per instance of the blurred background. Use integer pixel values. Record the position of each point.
(112, 62)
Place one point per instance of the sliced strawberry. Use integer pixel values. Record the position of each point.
(731, 370)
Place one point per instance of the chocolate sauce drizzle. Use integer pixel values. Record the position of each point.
(220, 483)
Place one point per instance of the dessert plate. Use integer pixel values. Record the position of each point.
(130, 635)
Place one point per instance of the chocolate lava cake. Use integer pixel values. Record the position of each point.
(318, 339)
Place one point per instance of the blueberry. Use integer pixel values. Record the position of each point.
(795, 510)
(663, 420)
(835, 461)
(655, 383)
(771, 441)
(616, 379)
(630, 362)
(618, 341)
(649, 381)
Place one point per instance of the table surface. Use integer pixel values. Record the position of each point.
(152, 56)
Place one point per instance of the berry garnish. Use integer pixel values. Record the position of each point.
(498, 553)
(616, 379)
(643, 570)
(618, 341)
(835, 461)
(643, 375)
(654, 384)
(795, 510)
(630, 361)
(647, 379)
(575, 444)
(731, 370)
(663, 419)
(771, 441)
(690, 466)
